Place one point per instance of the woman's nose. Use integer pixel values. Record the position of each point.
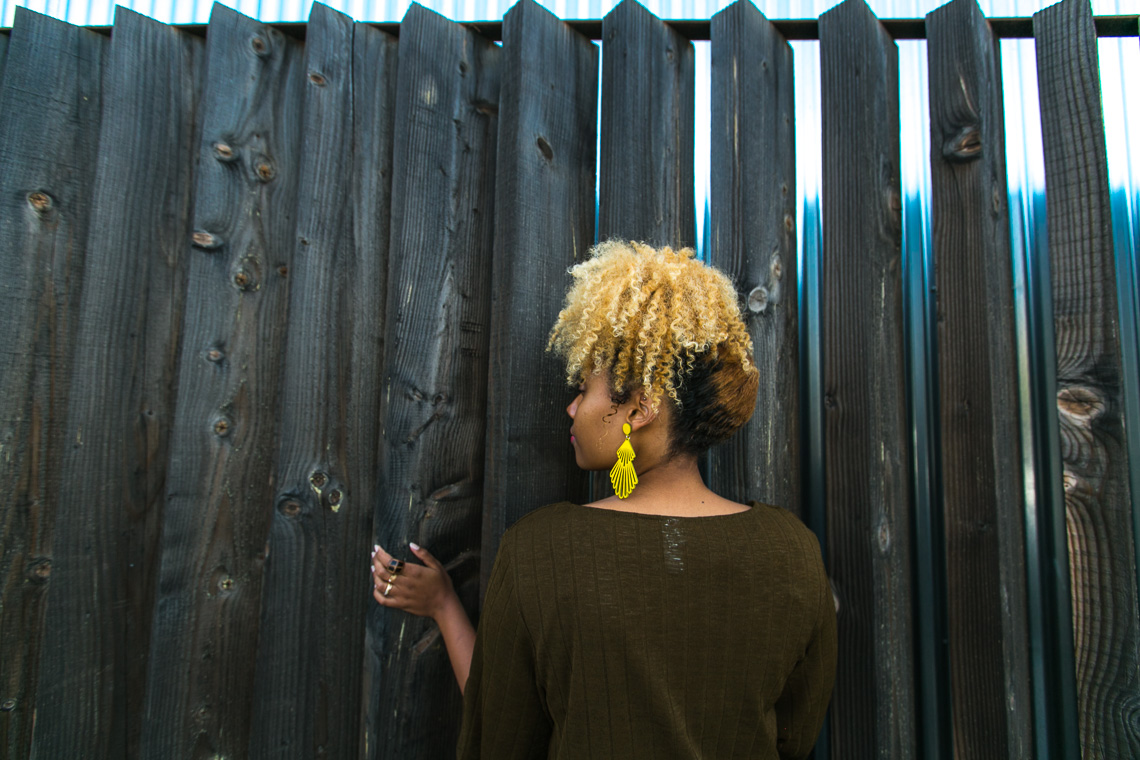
(572, 409)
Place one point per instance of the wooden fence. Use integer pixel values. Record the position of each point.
(268, 297)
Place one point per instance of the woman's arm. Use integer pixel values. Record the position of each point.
(426, 590)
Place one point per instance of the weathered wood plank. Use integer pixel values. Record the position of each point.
(374, 72)
(220, 493)
(49, 133)
(867, 454)
(313, 600)
(93, 668)
(983, 493)
(3, 53)
(1090, 396)
(646, 168)
(753, 239)
(544, 223)
(434, 407)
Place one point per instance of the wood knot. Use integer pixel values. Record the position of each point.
(317, 78)
(40, 202)
(758, 299)
(223, 427)
(224, 152)
(259, 45)
(283, 270)
(335, 498)
(264, 168)
(290, 507)
(1080, 404)
(244, 280)
(215, 355)
(544, 148)
(8, 705)
(789, 223)
(318, 480)
(776, 267)
(207, 241)
(39, 570)
(964, 145)
(226, 584)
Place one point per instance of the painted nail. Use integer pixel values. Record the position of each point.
(375, 549)
(415, 547)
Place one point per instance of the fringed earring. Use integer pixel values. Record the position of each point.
(623, 476)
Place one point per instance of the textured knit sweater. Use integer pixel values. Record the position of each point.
(611, 634)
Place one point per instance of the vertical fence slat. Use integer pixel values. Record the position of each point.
(983, 492)
(49, 134)
(112, 488)
(646, 168)
(544, 223)
(374, 74)
(434, 407)
(3, 53)
(753, 240)
(220, 493)
(866, 432)
(1090, 396)
(309, 602)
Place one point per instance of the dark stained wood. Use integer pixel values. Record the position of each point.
(866, 434)
(646, 168)
(374, 70)
(434, 406)
(1090, 395)
(544, 223)
(313, 599)
(49, 132)
(752, 200)
(983, 492)
(111, 491)
(3, 53)
(220, 492)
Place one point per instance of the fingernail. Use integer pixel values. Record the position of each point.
(375, 549)
(415, 547)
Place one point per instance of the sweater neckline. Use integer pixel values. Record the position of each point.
(752, 507)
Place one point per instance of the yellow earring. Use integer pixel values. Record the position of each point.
(623, 476)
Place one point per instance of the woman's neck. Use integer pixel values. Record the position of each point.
(672, 486)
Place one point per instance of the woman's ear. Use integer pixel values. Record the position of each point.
(641, 410)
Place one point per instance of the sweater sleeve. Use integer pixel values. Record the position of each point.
(802, 706)
(504, 715)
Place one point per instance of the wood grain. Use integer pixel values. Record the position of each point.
(434, 403)
(983, 492)
(544, 223)
(220, 487)
(113, 482)
(374, 75)
(313, 597)
(1090, 396)
(646, 167)
(50, 101)
(866, 434)
(752, 199)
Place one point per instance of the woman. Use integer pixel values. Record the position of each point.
(663, 621)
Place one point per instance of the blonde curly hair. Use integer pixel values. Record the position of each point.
(660, 320)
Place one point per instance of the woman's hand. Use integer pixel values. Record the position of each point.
(427, 590)
(419, 589)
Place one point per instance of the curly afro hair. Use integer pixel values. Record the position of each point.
(660, 320)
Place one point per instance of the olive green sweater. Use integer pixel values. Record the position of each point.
(612, 634)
